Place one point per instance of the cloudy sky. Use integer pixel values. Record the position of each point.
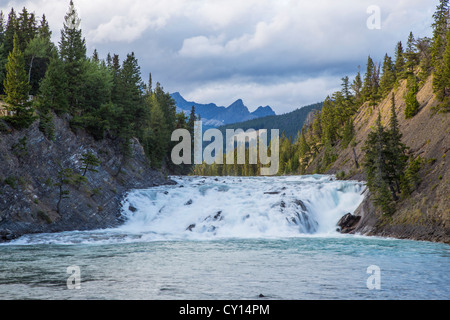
(283, 53)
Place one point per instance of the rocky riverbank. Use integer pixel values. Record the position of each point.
(32, 180)
(425, 214)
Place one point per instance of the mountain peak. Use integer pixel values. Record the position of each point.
(211, 113)
(238, 104)
(264, 112)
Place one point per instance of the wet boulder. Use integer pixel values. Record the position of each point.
(348, 223)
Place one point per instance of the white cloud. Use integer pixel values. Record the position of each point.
(229, 48)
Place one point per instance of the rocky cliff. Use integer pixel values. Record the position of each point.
(425, 215)
(30, 180)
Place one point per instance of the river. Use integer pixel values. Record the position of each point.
(227, 238)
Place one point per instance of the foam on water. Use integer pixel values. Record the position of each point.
(208, 208)
(230, 207)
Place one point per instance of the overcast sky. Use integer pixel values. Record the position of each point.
(283, 53)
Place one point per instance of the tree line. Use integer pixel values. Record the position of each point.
(391, 174)
(107, 97)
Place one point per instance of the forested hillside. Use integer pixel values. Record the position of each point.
(389, 127)
(106, 97)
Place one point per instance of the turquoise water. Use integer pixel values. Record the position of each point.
(283, 269)
(227, 239)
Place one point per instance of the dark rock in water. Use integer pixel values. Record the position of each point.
(348, 223)
(301, 204)
(218, 216)
(7, 235)
(191, 227)
(261, 296)
(189, 202)
(283, 204)
(272, 192)
(132, 209)
(166, 192)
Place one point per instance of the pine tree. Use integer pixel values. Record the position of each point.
(367, 89)
(17, 89)
(440, 28)
(387, 80)
(441, 80)
(328, 123)
(11, 29)
(129, 95)
(399, 62)
(89, 163)
(375, 164)
(424, 57)
(53, 92)
(397, 159)
(158, 143)
(412, 105)
(95, 57)
(357, 87)
(191, 121)
(44, 29)
(411, 56)
(348, 133)
(27, 28)
(3, 53)
(73, 53)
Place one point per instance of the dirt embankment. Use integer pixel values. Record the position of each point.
(425, 215)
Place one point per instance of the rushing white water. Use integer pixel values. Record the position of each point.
(231, 239)
(208, 208)
(231, 207)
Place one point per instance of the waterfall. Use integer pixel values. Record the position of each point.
(234, 207)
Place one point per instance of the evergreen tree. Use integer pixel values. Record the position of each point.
(441, 80)
(191, 121)
(424, 57)
(357, 87)
(412, 105)
(95, 56)
(387, 80)
(168, 107)
(399, 62)
(129, 90)
(44, 29)
(27, 28)
(367, 88)
(397, 159)
(73, 54)
(3, 53)
(411, 56)
(157, 143)
(11, 29)
(89, 163)
(348, 133)
(53, 92)
(17, 89)
(440, 28)
(375, 164)
(328, 123)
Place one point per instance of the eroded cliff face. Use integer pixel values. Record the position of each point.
(30, 164)
(425, 215)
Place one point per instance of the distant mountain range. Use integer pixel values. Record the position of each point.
(216, 116)
(290, 123)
